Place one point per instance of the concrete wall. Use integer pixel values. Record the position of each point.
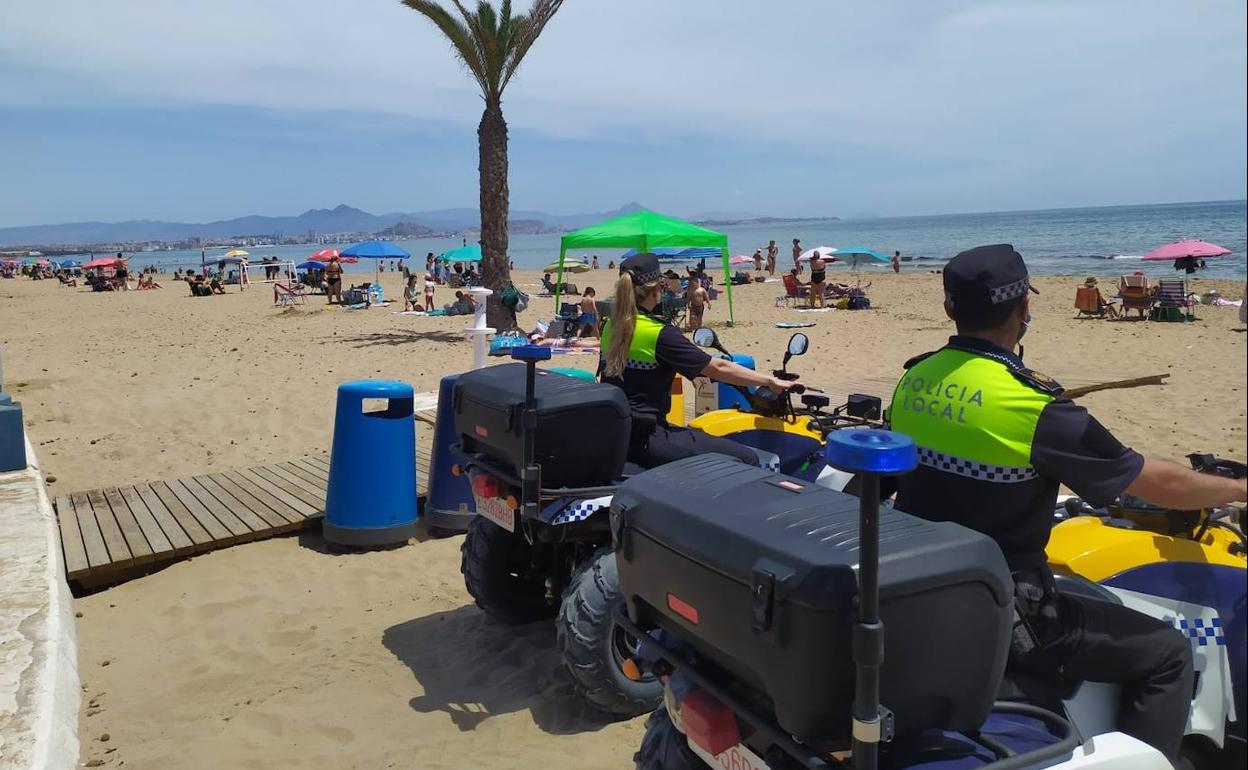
(39, 686)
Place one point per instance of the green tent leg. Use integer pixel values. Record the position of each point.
(728, 286)
(563, 250)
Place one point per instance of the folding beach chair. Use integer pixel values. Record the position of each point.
(1136, 295)
(286, 296)
(1088, 302)
(1174, 301)
(792, 291)
(672, 309)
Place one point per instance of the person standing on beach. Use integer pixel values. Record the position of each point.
(896, 261)
(333, 281)
(758, 260)
(797, 256)
(698, 300)
(818, 274)
(996, 441)
(430, 283)
(773, 252)
(120, 273)
(595, 263)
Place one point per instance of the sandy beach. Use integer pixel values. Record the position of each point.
(278, 654)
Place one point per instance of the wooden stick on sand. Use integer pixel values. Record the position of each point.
(1155, 379)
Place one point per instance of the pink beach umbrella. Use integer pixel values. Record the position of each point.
(741, 259)
(1193, 247)
(324, 255)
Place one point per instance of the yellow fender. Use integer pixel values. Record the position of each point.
(1088, 547)
(725, 422)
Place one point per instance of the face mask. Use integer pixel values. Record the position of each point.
(1022, 329)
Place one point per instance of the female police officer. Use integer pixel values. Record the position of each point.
(642, 355)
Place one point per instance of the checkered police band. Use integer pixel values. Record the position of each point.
(1009, 291)
(633, 363)
(1001, 474)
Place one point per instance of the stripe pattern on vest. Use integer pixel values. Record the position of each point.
(1002, 474)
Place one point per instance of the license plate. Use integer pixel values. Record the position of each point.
(738, 757)
(497, 510)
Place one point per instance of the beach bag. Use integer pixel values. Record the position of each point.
(859, 302)
(509, 295)
(501, 346)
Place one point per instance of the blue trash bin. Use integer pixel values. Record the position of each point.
(371, 498)
(12, 435)
(449, 506)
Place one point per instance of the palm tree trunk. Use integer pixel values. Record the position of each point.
(495, 266)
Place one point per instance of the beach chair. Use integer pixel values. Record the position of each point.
(672, 309)
(1088, 302)
(1174, 301)
(1136, 295)
(793, 291)
(286, 296)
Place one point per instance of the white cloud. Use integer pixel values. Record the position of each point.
(1003, 88)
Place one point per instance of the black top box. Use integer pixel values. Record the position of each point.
(582, 427)
(757, 572)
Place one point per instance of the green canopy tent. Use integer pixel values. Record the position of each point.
(644, 230)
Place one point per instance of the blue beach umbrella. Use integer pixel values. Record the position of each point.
(462, 254)
(310, 265)
(858, 254)
(376, 250)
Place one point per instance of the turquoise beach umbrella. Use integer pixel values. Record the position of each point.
(463, 254)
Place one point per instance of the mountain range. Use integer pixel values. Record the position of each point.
(340, 219)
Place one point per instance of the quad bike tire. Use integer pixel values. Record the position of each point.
(491, 560)
(593, 646)
(663, 747)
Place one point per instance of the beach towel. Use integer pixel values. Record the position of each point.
(409, 312)
(794, 324)
(813, 309)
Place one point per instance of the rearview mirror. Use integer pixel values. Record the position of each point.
(798, 344)
(704, 337)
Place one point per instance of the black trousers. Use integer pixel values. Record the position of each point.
(668, 443)
(1098, 641)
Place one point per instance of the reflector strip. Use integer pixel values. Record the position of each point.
(683, 608)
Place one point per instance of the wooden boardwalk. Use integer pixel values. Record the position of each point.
(120, 529)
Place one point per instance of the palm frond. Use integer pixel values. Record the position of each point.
(526, 30)
(460, 36)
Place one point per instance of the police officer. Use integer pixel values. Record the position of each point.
(995, 440)
(642, 354)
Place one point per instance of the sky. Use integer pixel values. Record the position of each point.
(147, 109)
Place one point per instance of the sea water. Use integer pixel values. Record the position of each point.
(1104, 241)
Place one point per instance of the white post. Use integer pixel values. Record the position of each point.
(479, 332)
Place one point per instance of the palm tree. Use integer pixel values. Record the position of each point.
(491, 44)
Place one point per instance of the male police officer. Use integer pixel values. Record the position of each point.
(995, 440)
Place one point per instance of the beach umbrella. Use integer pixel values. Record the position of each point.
(236, 254)
(741, 259)
(462, 254)
(70, 263)
(311, 264)
(858, 254)
(324, 255)
(102, 262)
(568, 267)
(825, 251)
(1193, 247)
(375, 250)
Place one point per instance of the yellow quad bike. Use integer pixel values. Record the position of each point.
(1187, 568)
(788, 439)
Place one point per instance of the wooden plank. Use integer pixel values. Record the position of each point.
(283, 470)
(314, 500)
(321, 461)
(118, 551)
(294, 502)
(235, 525)
(251, 518)
(285, 510)
(167, 532)
(316, 471)
(92, 538)
(181, 518)
(277, 522)
(216, 531)
(160, 545)
(139, 547)
(71, 538)
(302, 472)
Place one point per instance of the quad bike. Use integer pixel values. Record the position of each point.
(536, 552)
(752, 623)
(1189, 569)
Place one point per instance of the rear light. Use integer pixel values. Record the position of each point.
(485, 485)
(709, 723)
(682, 608)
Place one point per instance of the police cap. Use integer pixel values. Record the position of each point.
(643, 267)
(986, 276)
